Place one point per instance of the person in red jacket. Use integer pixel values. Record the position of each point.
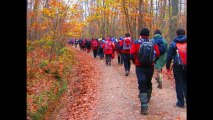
(126, 45)
(144, 73)
(95, 45)
(108, 47)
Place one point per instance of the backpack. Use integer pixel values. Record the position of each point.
(95, 44)
(161, 46)
(108, 45)
(182, 53)
(117, 45)
(126, 44)
(146, 53)
(100, 49)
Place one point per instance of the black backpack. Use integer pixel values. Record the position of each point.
(146, 53)
(161, 46)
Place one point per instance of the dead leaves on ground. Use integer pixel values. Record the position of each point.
(84, 87)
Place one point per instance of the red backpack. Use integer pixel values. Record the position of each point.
(108, 45)
(95, 44)
(182, 50)
(126, 44)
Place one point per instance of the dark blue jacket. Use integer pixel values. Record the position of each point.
(172, 50)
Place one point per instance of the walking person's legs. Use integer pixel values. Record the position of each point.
(179, 82)
(142, 86)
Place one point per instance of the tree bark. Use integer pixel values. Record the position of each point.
(174, 18)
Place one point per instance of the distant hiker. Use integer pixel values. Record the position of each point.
(88, 45)
(126, 45)
(143, 53)
(95, 45)
(69, 41)
(76, 43)
(80, 41)
(161, 61)
(178, 52)
(83, 44)
(72, 41)
(108, 47)
(118, 49)
(113, 53)
(100, 49)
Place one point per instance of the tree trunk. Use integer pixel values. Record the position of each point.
(174, 18)
(163, 15)
(141, 12)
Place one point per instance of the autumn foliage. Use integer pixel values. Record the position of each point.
(46, 80)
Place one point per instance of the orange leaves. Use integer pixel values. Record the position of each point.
(30, 14)
(47, 12)
(54, 3)
(148, 20)
(84, 86)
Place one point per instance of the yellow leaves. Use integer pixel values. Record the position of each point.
(46, 11)
(61, 15)
(49, 12)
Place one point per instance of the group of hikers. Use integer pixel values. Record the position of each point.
(147, 55)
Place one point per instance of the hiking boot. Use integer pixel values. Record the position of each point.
(127, 73)
(144, 105)
(178, 104)
(149, 94)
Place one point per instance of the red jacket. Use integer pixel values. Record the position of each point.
(127, 40)
(111, 47)
(135, 48)
(94, 43)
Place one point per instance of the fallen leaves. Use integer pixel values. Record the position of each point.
(86, 84)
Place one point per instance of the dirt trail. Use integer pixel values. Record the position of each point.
(117, 97)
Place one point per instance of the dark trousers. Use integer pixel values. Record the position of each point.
(95, 51)
(127, 63)
(180, 82)
(144, 76)
(108, 58)
(120, 58)
(101, 55)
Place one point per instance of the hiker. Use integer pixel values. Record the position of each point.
(83, 44)
(95, 45)
(99, 42)
(113, 52)
(69, 42)
(76, 43)
(88, 45)
(80, 41)
(161, 61)
(72, 42)
(100, 49)
(119, 48)
(143, 53)
(178, 52)
(108, 47)
(126, 45)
